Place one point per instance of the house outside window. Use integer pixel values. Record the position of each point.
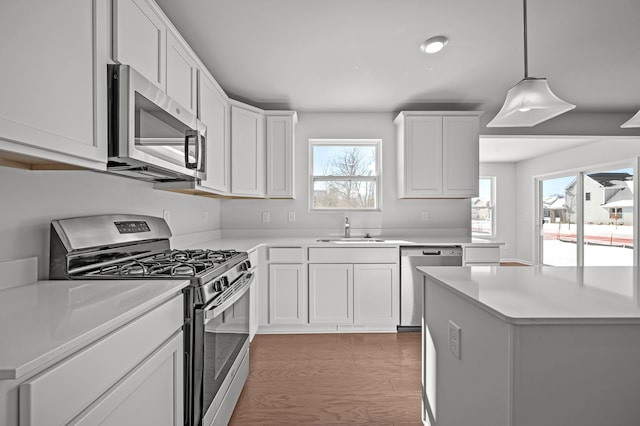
(613, 196)
(587, 196)
(345, 174)
(483, 209)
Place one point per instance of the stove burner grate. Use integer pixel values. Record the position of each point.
(171, 263)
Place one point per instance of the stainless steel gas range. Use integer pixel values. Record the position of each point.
(216, 328)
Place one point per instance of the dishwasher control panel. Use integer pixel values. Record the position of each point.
(432, 251)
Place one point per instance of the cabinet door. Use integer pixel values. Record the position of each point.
(376, 294)
(280, 143)
(287, 294)
(53, 84)
(330, 293)
(91, 372)
(422, 168)
(214, 112)
(151, 394)
(247, 153)
(460, 156)
(139, 39)
(182, 73)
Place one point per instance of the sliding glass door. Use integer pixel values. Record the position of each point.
(587, 218)
(608, 217)
(558, 230)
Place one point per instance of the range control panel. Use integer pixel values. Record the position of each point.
(132, 227)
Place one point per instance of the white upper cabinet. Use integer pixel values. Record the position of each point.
(53, 85)
(247, 151)
(438, 154)
(280, 153)
(182, 73)
(460, 157)
(140, 38)
(214, 112)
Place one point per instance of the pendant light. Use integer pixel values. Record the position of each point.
(633, 121)
(529, 102)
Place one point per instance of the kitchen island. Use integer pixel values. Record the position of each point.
(524, 346)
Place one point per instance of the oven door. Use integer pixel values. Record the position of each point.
(220, 353)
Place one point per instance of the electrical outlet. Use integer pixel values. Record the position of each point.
(166, 214)
(424, 215)
(266, 217)
(454, 339)
(291, 216)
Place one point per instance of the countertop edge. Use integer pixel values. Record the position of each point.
(79, 342)
(595, 320)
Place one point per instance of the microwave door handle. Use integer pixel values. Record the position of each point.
(200, 151)
(188, 135)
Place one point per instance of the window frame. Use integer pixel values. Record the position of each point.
(377, 178)
(492, 209)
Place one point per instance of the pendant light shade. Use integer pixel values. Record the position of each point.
(529, 102)
(633, 121)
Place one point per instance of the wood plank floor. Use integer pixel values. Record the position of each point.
(332, 379)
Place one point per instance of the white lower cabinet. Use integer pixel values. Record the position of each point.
(147, 395)
(330, 293)
(376, 292)
(488, 256)
(133, 375)
(362, 294)
(331, 289)
(287, 294)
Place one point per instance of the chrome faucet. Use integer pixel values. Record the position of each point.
(347, 227)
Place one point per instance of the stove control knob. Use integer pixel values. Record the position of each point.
(224, 282)
(217, 285)
(247, 265)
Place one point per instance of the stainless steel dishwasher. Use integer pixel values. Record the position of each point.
(411, 287)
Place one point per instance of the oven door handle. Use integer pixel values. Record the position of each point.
(214, 310)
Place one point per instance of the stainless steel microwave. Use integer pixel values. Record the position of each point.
(151, 136)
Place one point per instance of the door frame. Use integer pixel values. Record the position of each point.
(579, 173)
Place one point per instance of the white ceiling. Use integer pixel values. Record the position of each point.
(496, 149)
(363, 55)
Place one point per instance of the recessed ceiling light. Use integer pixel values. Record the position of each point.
(434, 44)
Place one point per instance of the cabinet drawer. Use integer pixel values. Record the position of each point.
(354, 255)
(286, 254)
(482, 255)
(63, 391)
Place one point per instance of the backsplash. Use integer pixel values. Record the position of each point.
(31, 199)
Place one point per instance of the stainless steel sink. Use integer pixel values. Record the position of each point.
(350, 240)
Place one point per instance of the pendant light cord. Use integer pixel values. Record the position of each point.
(526, 62)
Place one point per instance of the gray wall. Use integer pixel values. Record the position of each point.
(397, 217)
(31, 199)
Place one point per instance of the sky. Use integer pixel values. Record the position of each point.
(557, 185)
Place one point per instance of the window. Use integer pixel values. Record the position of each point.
(483, 209)
(587, 196)
(615, 213)
(345, 174)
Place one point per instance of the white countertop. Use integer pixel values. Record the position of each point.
(547, 294)
(46, 320)
(249, 243)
